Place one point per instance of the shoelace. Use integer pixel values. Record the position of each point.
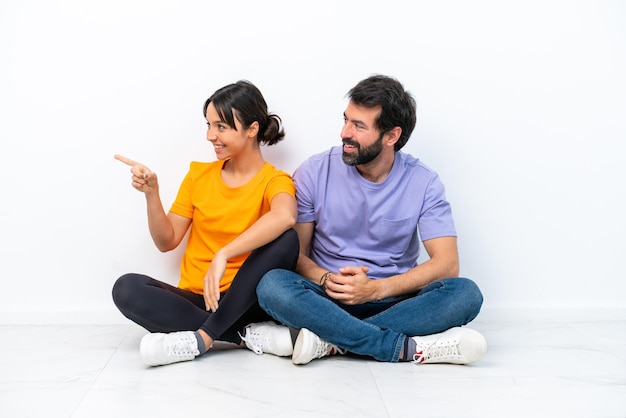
(323, 349)
(254, 341)
(450, 349)
(326, 348)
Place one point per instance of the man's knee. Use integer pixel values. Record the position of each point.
(472, 296)
(268, 283)
(474, 291)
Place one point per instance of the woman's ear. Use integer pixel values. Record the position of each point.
(253, 129)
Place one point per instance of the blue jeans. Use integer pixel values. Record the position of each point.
(377, 329)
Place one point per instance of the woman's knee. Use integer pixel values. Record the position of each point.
(290, 238)
(282, 251)
(287, 246)
(124, 288)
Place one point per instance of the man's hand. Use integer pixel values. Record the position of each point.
(351, 285)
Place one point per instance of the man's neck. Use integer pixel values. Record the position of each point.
(377, 170)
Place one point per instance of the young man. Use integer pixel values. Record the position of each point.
(362, 211)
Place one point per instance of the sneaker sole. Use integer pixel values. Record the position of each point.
(283, 347)
(304, 341)
(473, 345)
(144, 351)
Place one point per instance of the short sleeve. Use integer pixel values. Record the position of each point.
(183, 203)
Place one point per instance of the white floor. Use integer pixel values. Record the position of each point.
(533, 369)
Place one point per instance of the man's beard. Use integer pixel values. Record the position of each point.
(363, 155)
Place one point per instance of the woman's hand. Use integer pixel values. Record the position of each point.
(144, 180)
(212, 281)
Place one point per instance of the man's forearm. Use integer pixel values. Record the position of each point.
(307, 268)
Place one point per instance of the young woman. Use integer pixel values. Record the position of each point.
(240, 210)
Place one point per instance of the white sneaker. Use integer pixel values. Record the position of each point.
(309, 347)
(158, 349)
(456, 345)
(268, 337)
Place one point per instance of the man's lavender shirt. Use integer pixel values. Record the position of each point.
(378, 225)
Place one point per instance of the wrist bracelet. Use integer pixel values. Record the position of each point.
(325, 277)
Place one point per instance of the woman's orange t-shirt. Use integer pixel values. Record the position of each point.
(220, 214)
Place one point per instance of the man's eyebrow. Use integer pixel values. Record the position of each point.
(355, 121)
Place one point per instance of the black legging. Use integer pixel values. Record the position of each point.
(160, 307)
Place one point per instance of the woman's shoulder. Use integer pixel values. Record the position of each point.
(200, 167)
(269, 170)
(206, 164)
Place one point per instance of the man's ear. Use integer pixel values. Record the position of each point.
(393, 135)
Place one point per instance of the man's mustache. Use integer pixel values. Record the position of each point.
(348, 141)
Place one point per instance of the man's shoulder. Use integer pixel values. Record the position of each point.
(321, 159)
(413, 163)
(324, 155)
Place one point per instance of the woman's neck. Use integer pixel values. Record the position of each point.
(239, 171)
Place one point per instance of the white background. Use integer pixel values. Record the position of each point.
(521, 110)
